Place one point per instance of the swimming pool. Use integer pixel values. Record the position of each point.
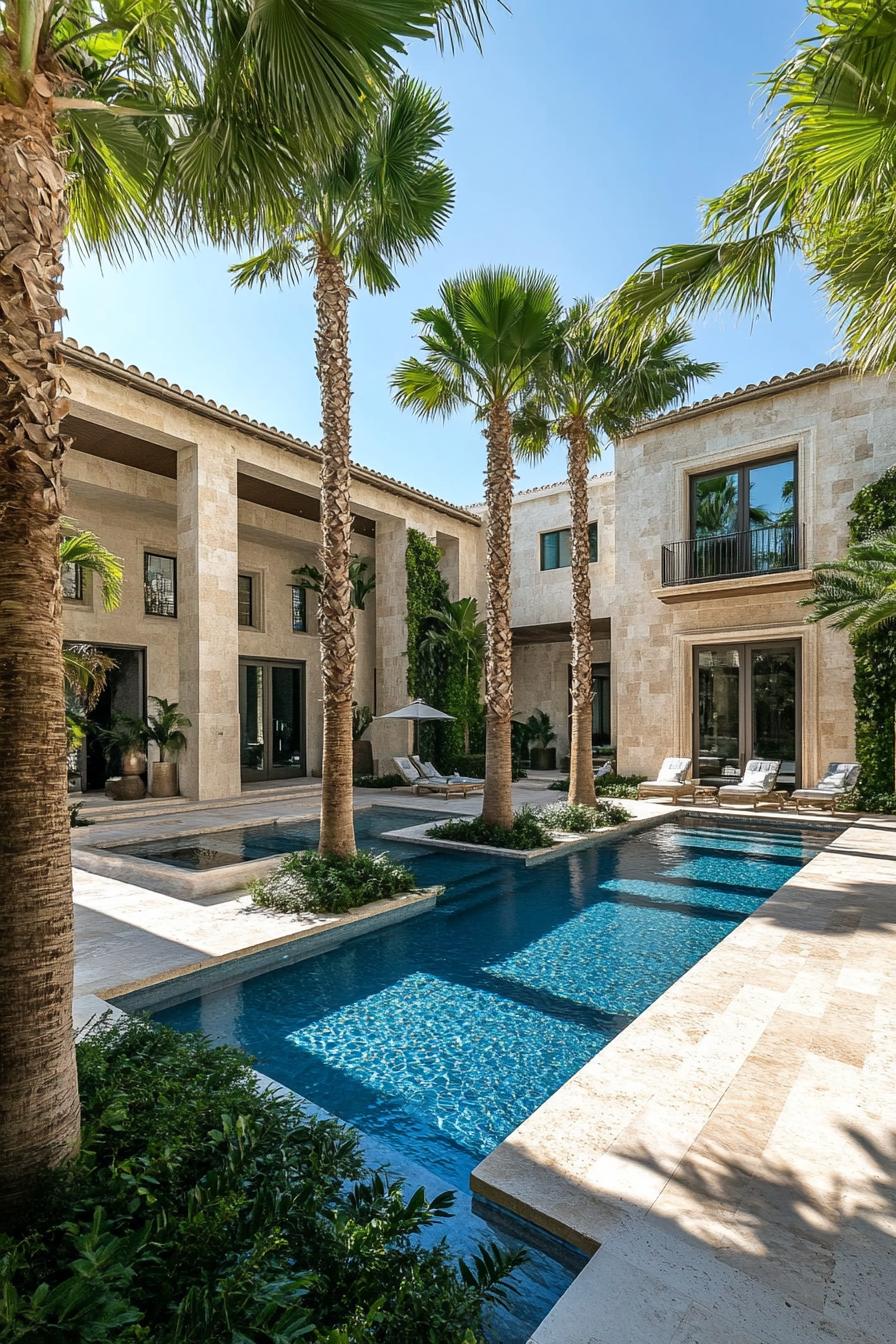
(440, 1035)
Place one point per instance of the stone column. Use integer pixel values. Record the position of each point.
(208, 635)
(390, 739)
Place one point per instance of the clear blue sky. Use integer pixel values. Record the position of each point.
(584, 135)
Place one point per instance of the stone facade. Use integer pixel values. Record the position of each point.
(843, 431)
(157, 470)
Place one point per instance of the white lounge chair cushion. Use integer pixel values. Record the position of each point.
(405, 768)
(425, 768)
(759, 776)
(673, 770)
(840, 776)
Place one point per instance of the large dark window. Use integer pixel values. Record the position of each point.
(159, 584)
(600, 704)
(555, 552)
(746, 706)
(743, 521)
(245, 600)
(299, 610)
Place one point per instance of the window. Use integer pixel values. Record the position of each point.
(159, 584)
(245, 600)
(743, 519)
(555, 548)
(73, 582)
(299, 610)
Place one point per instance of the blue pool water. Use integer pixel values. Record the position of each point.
(438, 1036)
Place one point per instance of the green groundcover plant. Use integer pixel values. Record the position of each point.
(330, 883)
(527, 831)
(580, 817)
(201, 1211)
(379, 781)
(607, 786)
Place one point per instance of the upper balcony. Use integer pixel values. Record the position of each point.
(767, 555)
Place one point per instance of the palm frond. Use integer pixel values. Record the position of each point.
(857, 593)
(86, 550)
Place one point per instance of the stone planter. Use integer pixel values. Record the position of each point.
(543, 758)
(163, 779)
(133, 762)
(362, 757)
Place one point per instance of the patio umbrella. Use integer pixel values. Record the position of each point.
(417, 712)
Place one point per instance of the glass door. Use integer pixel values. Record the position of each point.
(746, 705)
(272, 720)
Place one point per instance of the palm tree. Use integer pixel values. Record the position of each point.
(859, 592)
(587, 396)
(823, 190)
(361, 582)
(484, 347)
(125, 125)
(457, 629)
(365, 210)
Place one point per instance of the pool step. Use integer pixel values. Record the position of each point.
(99, 812)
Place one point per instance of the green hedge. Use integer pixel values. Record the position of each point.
(874, 686)
(200, 1211)
(474, 765)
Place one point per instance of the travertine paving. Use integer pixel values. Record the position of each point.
(733, 1152)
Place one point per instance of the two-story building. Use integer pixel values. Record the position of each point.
(704, 540)
(211, 513)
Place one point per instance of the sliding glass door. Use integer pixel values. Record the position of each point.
(272, 720)
(746, 705)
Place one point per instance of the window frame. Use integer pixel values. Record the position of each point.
(593, 552)
(160, 555)
(303, 628)
(250, 624)
(80, 595)
(742, 469)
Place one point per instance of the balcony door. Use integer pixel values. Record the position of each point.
(743, 520)
(746, 705)
(272, 720)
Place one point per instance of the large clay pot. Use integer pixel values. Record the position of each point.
(133, 762)
(125, 788)
(543, 758)
(163, 779)
(362, 757)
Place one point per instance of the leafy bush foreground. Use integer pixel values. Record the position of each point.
(200, 1211)
(607, 786)
(527, 832)
(330, 884)
(579, 817)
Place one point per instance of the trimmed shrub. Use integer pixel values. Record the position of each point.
(860, 801)
(200, 1209)
(527, 832)
(378, 781)
(578, 817)
(607, 786)
(330, 884)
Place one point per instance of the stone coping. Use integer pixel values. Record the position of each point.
(730, 1156)
(185, 982)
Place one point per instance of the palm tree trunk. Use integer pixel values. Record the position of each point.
(337, 626)
(497, 803)
(39, 1111)
(581, 769)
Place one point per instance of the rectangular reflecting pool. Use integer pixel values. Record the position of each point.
(440, 1035)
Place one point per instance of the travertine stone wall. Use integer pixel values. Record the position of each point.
(541, 681)
(543, 597)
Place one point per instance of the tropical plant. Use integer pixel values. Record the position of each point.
(125, 735)
(356, 216)
(823, 190)
(539, 729)
(331, 883)
(484, 346)
(580, 817)
(165, 726)
(526, 831)
(858, 593)
(587, 396)
(456, 629)
(84, 669)
(361, 583)
(126, 123)
(362, 718)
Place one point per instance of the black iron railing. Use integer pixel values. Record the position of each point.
(732, 555)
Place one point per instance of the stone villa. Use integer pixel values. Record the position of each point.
(703, 540)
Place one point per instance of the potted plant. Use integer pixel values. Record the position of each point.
(362, 749)
(165, 729)
(542, 756)
(124, 744)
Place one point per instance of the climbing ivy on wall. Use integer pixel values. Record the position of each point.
(430, 673)
(874, 687)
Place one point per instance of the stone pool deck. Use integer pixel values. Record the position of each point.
(731, 1156)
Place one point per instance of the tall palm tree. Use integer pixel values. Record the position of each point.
(125, 123)
(858, 592)
(362, 212)
(484, 347)
(457, 629)
(588, 395)
(823, 190)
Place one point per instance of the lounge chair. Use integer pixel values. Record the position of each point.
(427, 771)
(671, 782)
(838, 779)
(451, 788)
(756, 786)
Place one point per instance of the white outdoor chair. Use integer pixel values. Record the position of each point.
(428, 772)
(671, 782)
(838, 779)
(756, 786)
(449, 787)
